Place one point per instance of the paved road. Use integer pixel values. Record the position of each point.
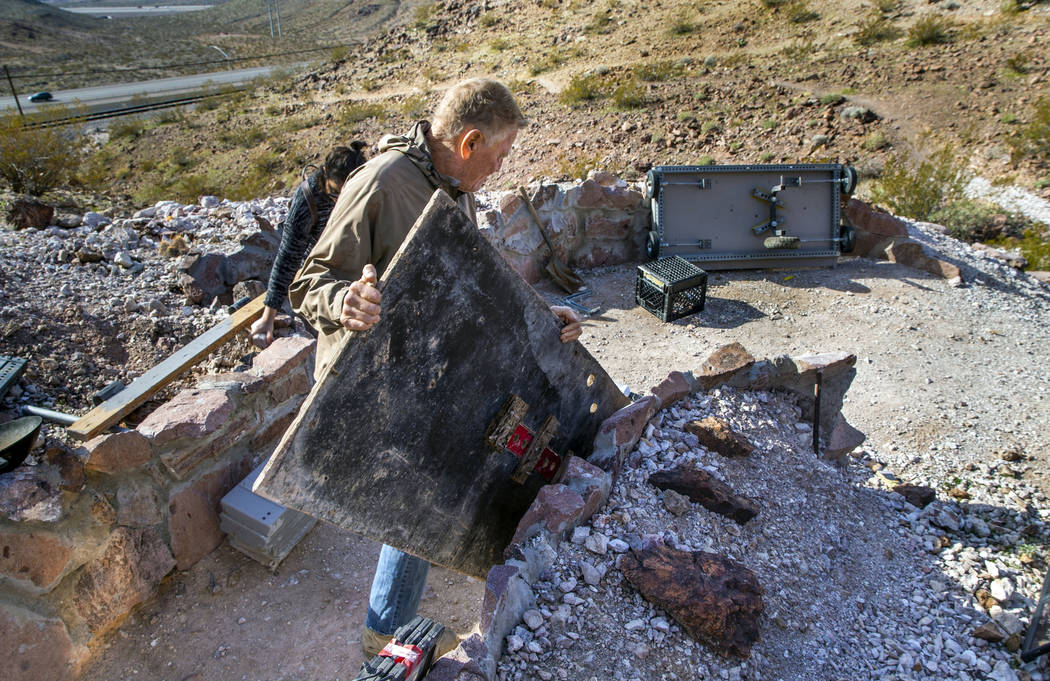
(107, 96)
(121, 12)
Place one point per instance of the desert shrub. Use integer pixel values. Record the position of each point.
(929, 30)
(413, 106)
(629, 95)
(706, 161)
(769, 124)
(36, 160)
(1033, 139)
(875, 28)
(710, 126)
(354, 112)
(242, 137)
(766, 157)
(918, 189)
(575, 168)
(1017, 63)
(500, 44)
(338, 53)
(547, 62)
(887, 6)
(1034, 245)
(582, 88)
(832, 99)
(394, 56)
(128, 127)
(423, 14)
(800, 13)
(970, 221)
(174, 247)
(189, 187)
(601, 22)
(657, 71)
(488, 20)
(875, 141)
(369, 84)
(683, 24)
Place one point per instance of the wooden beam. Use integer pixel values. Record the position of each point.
(110, 412)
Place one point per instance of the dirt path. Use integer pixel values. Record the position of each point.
(946, 377)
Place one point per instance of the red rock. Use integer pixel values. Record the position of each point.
(673, 388)
(127, 573)
(918, 496)
(35, 560)
(509, 204)
(844, 439)
(600, 226)
(192, 413)
(283, 355)
(827, 363)
(507, 596)
(591, 195)
(26, 212)
(29, 493)
(557, 508)
(941, 268)
(602, 177)
(706, 490)
(863, 216)
(117, 452)
(138, 505)
(716, 600)
(193, 512)
(619, 433)
(469, 662)
(34, 647)
(182, 459)
(715, 434)
(723, 364)
(624, 198)
(294, 385)
(590, 482)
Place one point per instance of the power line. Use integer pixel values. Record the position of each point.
(175, 66)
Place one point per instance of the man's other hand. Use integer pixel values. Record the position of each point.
(361, 303)
(572, 329)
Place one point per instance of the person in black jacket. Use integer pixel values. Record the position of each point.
(307, 217)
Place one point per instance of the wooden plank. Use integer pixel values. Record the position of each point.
(110, 412)
(391, 442)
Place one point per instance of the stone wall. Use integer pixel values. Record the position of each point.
(86, 535)
(601, 221)
(586, 485)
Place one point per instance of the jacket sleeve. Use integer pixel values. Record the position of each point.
(296, 238)
(338, 257)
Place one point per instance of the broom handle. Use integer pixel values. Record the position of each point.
(536, 217)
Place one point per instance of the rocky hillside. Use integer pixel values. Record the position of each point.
(623, 85)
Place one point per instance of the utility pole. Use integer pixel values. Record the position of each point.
(277, 6)
(13, 91)
(269, 9)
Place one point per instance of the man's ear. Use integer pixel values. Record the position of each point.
(469, 141)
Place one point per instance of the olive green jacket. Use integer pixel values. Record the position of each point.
(376, 209)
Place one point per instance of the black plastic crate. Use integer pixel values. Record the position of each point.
(671, 288)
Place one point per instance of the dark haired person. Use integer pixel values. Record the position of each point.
(307, 217)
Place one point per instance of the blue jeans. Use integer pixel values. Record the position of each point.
(396, 590)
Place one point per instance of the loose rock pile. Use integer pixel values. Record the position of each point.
(120, 286)
(858, 583)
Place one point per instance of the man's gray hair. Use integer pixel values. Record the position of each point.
(480, 103)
